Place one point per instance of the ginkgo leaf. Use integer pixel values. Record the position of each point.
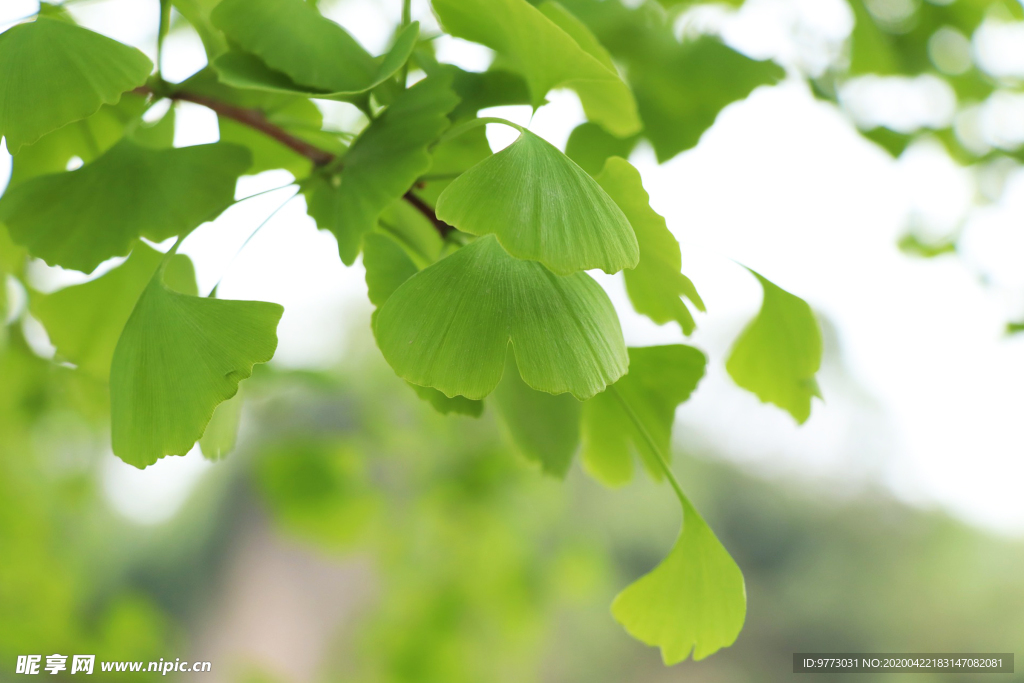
(222, 431)
(293, 38)
(180, 356)
(387, 267)
(660, 378)
(544, 428)
(778, 354)
(543, 207)
(381, 165)
(55, 73)
(695, 600)
(656, 284)
(590, 146)
(85, 321)
(545, 54)
(242, 70)
(79, 219)
(449, 326)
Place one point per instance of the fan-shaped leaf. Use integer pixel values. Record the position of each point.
(656, 284)
(381, 165)
(80, 219)
(222, 431)
(778, 354)
(548, 57)
(55, 73)
(449, 326)
(659, 379)
(293, 38)
(180, 356)
(543, 207)
(85, 321)
(694, 600)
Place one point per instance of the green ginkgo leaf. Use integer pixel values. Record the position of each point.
(655, 285)
(542, 427)
(590, 146)
(778, 354)
(542, 207)
(387, 267)
(660, 378)
(381, 165)
(293, 38)
(55, 73)
(243, 70)
(79, 219)
(85, 321)
(449, 326)
(222, 431)
(695, 600)
(178, 358)
(545, 54)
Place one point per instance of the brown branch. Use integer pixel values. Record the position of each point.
(257, 120)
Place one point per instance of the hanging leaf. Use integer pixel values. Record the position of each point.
(544, 428)
(545, 54)
(293, 38)
(777, 356)
(660, 378)
(180, 356)
(242, 70)
(695, 600)
(655, 285)
(222, 431)
(449, 326)
(381, 165)
(79, 219)
(55, 73)
(387, 267)
(542, 207)
(85, 321)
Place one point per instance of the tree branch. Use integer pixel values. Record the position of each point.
(257, 120)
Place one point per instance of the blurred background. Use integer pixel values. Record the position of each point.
(356, 535)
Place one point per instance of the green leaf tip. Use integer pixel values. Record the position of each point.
(694, 601)
(660, 378)
(449, 326)
(55, 72)
(180, 356)
(81, 218)
(779, 353)
(656, 284)
(542, 207)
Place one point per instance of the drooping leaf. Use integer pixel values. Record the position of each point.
(659, 379)
(242, 70)
(695, 600)
(55, 73)
(541, 206)
(544, 428)
(381, 165)
(178, 358)
(545, 54)
(655, 285)
(222, 431)
(81, 218)
(591, 146)
(85, 321)
(291, 37)
(448, 405)
(778, 354)
(449, 326)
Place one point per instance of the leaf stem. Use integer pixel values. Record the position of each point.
(652, 444)
(161, 34)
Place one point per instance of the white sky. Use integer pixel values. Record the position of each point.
(924, 392)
